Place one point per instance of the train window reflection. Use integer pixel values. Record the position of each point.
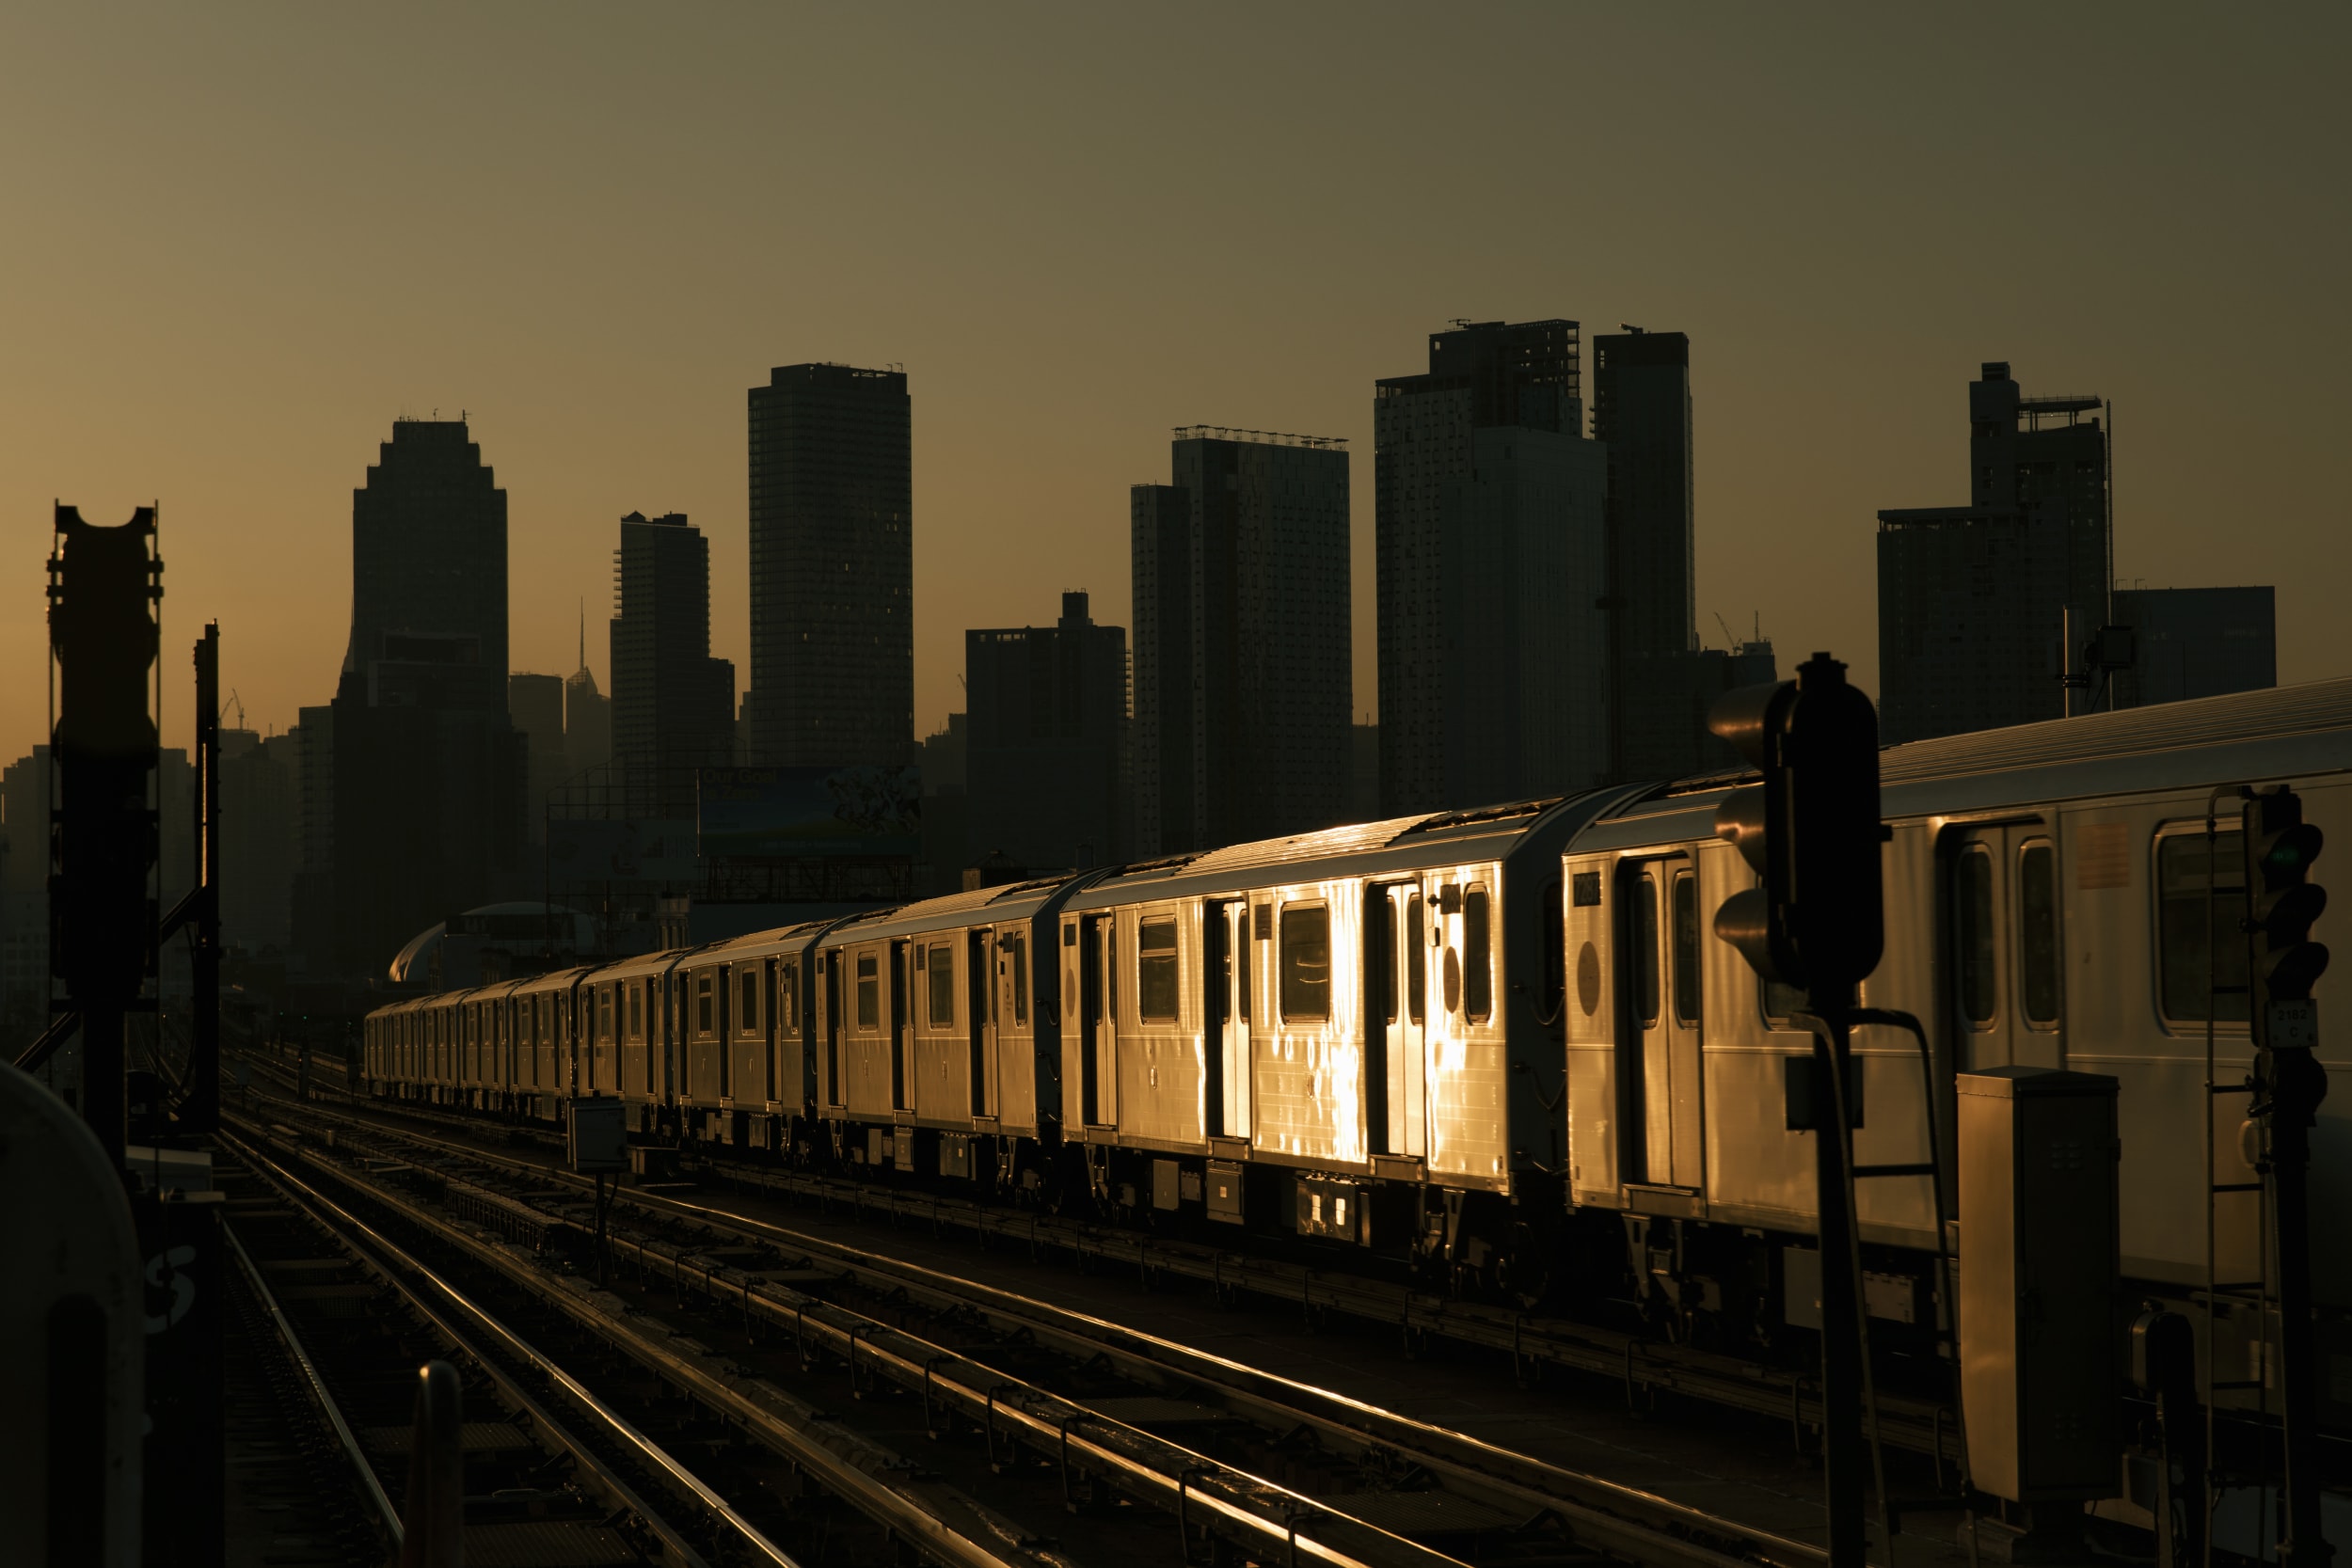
(868, 993)
(1645, 948)
(1973, 918)
(789, 996)
(1384, 955)
(1478, 981)
(1016, 950)
(1156, 971)
(1686, 948)
(2187, 898)
(939, 970)
(1416, 960)
(1305, 961)
(2038, 933)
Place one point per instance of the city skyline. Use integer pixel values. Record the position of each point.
(143, 373)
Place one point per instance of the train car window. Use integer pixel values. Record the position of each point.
(706, 1009)
(1306, 961)
(1973, 918)
(1478, 953)
(2188, 896)
(1417, 974)
(1684, 908)
(1645, 946)
(1245, 965)
(604, 1013)
(789, 996)
(940, 971)
(868, 992)
(1383, 929)
(2038, 933)
(637, 1011)
(1156, 971)
(747, 1014)
(1016, 950)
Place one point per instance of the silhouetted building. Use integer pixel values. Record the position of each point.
(1972, 599)
(1047, 741)
(534, 705)
(2196, 642)
(1490, 514)
(314, 838)
(587, 720)
(1665, 734)
(260, 787)
(425, 759)
(1657, 670)
(833, 567)
(672, 703)
(1241, 637)
(947, 848)
(25, 800)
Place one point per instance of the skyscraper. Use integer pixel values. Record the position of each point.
(1242, 676)
(1972, 599)
(587, 726)
(1046, 740)
(1490, 516)
(833, 567)
(672, 703)
(425, 755)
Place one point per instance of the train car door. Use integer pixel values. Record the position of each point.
(1097, 1041)
(1017, 1067)
(2001, 911)
(1397, 966)
(901, 1028)
(1225, 987)
(1662, 919)
(981, 1020)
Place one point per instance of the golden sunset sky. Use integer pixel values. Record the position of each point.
(240, 240)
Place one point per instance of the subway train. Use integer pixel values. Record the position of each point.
(1502, 1048)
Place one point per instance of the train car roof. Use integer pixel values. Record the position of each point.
(1362, 849)
(2281, 732)
(656, 963)
(758, 944)
(985, 906)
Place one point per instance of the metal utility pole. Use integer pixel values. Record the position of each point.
(105, 586)
(200, 1102)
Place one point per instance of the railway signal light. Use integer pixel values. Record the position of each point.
(2282, 904)
(1810, 829)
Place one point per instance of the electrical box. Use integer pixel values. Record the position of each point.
(2039, 1331)
(595, 1135)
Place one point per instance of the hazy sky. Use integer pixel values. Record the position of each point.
(242, 239)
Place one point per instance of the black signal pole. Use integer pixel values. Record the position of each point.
(1811, 830)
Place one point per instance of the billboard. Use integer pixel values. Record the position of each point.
(805, 813)
(652, 850)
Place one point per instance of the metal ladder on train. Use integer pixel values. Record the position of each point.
(2255, 1293)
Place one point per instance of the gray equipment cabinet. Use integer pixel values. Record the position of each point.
(2039, 1342)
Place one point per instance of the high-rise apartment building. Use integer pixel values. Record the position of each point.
(2196, 642)
(1241, 678)
(672, 703)
(425, 755)
(833, 567)
(1973, 599)
(1046, 740)
(1491, 515)
(259, 839)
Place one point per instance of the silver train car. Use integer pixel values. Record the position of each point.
(1502, 1046)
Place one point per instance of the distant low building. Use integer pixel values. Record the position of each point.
(534, 705)
(1047, 742)
(2196, 642)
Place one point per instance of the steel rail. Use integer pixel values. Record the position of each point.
(1143, 1460)
(316, 1386)
(1543, 1485)
(618, 1425)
